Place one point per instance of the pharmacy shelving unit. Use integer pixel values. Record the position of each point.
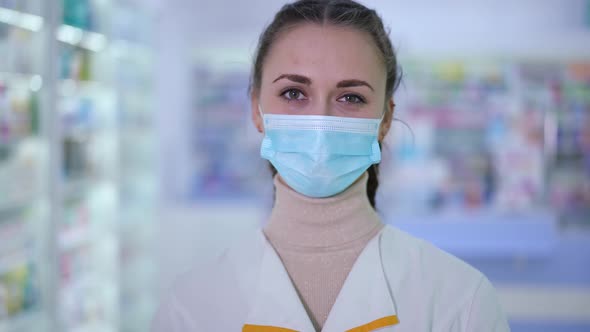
(136, 226)
(75, 156)
(24, 164)
(503, 145)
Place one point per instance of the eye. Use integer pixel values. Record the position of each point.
(352, 99)
(293, 94)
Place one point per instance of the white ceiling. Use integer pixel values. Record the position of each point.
(451, 27)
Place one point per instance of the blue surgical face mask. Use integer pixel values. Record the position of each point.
(320, 156)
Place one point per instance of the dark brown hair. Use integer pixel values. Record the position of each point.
(346, 13)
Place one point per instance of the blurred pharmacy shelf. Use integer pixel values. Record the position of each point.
(493, 164)
(76, 140)
(23, 166)
(137, 173)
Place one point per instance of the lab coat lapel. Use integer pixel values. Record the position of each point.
(277, 305)
(365, 302)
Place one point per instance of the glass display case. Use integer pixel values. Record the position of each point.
(77, 170)
(134, 79)
(23, 168)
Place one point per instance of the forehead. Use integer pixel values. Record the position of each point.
(327, 52)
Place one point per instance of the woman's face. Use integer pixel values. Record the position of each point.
(323, 70)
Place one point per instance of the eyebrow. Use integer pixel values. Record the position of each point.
(295, 78)
(307, 81)
(352, 83)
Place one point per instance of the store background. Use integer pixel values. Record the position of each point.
(127, 153)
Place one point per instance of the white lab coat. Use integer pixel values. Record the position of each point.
(398, 283)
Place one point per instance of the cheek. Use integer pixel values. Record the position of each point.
(274, 106)
(380, 111)
(268, 102)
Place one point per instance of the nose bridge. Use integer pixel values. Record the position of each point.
(323, 106)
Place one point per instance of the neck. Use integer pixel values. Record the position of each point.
(303, 222)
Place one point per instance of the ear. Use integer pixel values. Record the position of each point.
(256, 117)
(387, 118)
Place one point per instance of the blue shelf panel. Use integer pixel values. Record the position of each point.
(532, 235)
(523, 326)
(567, 265)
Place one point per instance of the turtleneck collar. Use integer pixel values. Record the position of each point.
(301, 222)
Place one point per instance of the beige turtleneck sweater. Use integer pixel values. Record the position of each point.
(319, 239)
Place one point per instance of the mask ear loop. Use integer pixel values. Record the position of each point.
(383, 114)
(402, 122)
(261, 114)
(382, 117)
(407, 126)
(376, 149)
(260, 111)
(266, 150)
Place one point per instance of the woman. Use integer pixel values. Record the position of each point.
(322, 95)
